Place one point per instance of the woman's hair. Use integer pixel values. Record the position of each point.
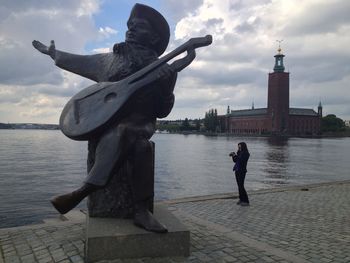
(243, 146)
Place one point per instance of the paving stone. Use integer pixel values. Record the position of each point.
(59, 257)
(42, 251)
(45, 260)
(12, 260)
(76, 259)
(28, 259)
(309, 225)
(72, 253)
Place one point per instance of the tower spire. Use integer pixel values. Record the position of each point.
(279, 67)
(319, 109)
(279, 46)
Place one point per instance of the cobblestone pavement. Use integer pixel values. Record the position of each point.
(286, 225)
(61, 242)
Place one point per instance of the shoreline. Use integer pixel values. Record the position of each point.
(200, 198)
(303, 187)
(54, 127)
(262, 135)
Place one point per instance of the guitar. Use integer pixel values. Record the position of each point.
(95, 107)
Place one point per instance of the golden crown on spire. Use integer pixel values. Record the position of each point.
(279, 46)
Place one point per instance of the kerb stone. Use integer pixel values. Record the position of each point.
(116, 238)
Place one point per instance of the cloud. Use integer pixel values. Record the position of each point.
(107, 31)
(176, 10)
(28, 78)
(24, 65)
(232, 71)
(319, 17)
(102, 50)
(8, 95)
(245, 33)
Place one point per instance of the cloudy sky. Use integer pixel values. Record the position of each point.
(232, 71)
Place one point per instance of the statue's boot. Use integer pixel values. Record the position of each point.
(144, 218)
(65, 203)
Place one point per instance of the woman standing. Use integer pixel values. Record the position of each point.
(241, 159)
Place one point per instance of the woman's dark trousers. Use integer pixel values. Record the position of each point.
(243, 197)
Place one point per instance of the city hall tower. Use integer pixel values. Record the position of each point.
(278, 96)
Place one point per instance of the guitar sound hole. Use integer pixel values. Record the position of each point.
(110, 96)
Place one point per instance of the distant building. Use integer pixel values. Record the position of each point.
(278, 118)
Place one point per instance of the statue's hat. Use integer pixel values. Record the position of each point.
(158, 23)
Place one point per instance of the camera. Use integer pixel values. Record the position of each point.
(232, 154)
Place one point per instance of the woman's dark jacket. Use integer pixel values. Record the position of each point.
(240, 159)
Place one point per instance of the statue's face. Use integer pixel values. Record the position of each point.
(140, 32)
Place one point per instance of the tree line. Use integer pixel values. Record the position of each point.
(210, 123)
(331, 123)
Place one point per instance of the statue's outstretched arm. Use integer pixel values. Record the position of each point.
(89, 66)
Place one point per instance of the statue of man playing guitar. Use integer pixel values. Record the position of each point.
(146, 38)
(127, 135)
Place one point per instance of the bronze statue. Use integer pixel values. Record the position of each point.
(117, 115)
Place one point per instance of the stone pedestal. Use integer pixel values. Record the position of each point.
(116, 238)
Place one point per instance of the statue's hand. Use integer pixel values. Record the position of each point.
(167, 78)
(165, 72)
(51, 50)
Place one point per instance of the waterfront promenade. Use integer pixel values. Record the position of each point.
(292, 224)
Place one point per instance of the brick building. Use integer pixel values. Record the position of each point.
(278, 117)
